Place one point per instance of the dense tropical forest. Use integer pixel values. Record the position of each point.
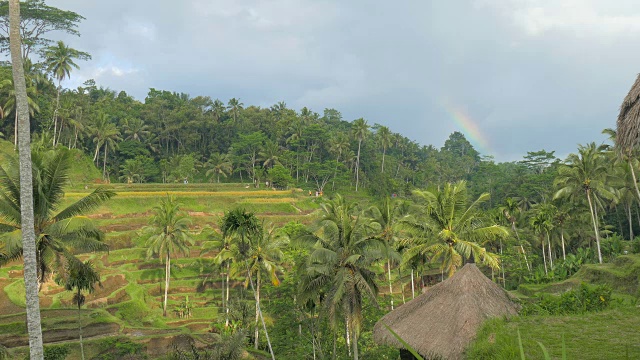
(304, 227)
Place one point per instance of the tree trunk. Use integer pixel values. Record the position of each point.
(595, 226)
(26, 187)
(167, 276)
(104, 162)
(226, 321)
(95, 154)
(513, 226)
(630, 221)
(413, 288)
(390, 286)
(80, 327)
(564, 255)
(347, 333)
(635, 182)
(264, 326)
(55, 114)
(257, 332)
(544, 257)
(354, 338)
(384, 150)
(550, 255)
(358, 165)
(15, 131)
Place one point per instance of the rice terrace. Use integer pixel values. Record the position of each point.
(475, 197)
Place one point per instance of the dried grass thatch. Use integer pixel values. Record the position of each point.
(442, 322)
(628, 124)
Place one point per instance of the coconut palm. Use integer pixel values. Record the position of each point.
(218, 164)
(585, 174)
(270, 154)
(10, 104)
(385, 138)
(542, 224)
(59, 233)
(359, 130)
(59, 60)
(339, 267)
(264, 256)
(135, 129)
(105, 135)
(79, 277)
(217, 109)
(23, 216)
(166, 235)
(234, 106)
(389, 215)
(245, 225)
(509, 210)
(452, 230)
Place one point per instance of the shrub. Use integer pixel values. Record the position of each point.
(585, 298)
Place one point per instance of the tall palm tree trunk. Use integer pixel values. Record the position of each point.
(358, 165)
(23, 140)
(167, 276)
(80, 327)
(550, 256)
(595, 226)
(354, 341)
(226, 320)
(628, 206)
(104, 162)
(15, 132)
(55, 114)
(390, 286)
(564, 255)
(257, 332)
(384, 150)
(544, 256)
(264, 326)
(513, 226)
(413, 287)
(633, 175)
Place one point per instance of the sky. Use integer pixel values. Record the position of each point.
(511, 75)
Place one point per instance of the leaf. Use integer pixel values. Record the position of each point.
(544, 351)
(404, 343)
(522, 357)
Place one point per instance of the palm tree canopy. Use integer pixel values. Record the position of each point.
(168, 232)
(58, 231)
(59, 59)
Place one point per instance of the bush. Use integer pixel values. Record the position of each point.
(56, 352)
(586, 298)
(118, 348)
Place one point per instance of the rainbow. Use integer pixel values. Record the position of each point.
(469, 128)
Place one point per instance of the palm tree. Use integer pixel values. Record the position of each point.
(10, 104)
(338, 145)
(339, 267)
(59, 60)
(270, 154)
(509, 210)
(218, 164)
(586, 173)
(167, 234)
(385, 138)
(106, 135)
(245, 224)
(389, 216)
(359, 129)
(264, 255)
(79, 277)
(235, 106)
(453, 229)
(58, 233)
(228, 257)
(25, 219)
(217, 109)
(135, 129)
(627, 132)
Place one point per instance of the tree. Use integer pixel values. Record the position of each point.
(59, 234)
(245, 224)
(359, 129)
(542, 224)
(509, 210)
(59, 60)
(10, 104)
(452, 230)
(339, 267)
(36, 20)
(264, 255)
(218, 164)
(25, 218)
(234, 106)
(384, 136)
(79, 277)
(389, 215)
(135, 129)
(168, 234)
(586, 173)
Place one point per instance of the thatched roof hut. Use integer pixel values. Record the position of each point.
(628, 124)
(442, 322)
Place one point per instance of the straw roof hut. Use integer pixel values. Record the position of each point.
(628, 124)
(442, 322)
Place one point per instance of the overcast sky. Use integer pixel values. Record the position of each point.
(524, 74)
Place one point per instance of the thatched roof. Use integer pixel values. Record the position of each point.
(628, 124)
(443, 321)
